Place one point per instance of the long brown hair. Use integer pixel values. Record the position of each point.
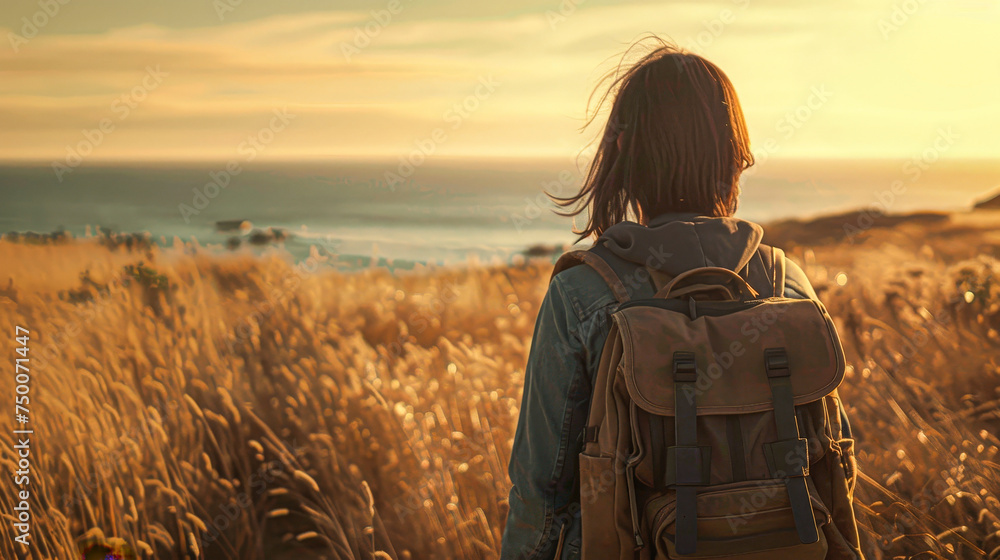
(684, 142)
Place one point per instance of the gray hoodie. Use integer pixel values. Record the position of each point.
(676, 242)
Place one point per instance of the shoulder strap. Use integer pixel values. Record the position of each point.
(769, 277)
(574, 258)
(613, 269)
(778, 270)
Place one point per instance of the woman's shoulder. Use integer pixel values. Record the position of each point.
(582, 288)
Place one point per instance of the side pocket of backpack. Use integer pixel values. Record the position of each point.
(597, 505)
(836, 481)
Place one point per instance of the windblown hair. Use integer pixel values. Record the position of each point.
(684, 142)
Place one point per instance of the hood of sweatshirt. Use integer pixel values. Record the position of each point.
(676, 242)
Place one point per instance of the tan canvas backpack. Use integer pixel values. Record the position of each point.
(715, 429)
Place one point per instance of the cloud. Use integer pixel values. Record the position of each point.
(400, 77)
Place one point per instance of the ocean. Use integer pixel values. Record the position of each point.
(445, 211)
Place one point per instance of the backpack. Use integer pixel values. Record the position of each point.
(715, 427)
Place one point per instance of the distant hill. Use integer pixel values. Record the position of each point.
(991, 203)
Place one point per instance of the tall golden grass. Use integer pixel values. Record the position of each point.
(206, 406)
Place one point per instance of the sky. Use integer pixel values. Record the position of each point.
(213, 79)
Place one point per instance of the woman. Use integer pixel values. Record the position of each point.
(670, 158)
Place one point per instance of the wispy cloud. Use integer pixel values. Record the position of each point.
(223, 78)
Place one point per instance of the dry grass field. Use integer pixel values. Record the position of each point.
(199, 405)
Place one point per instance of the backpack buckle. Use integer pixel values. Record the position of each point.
(684, 369)
(776, 362)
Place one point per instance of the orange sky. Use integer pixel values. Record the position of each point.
(194, 79)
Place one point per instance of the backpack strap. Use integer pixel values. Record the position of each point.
(616, 271)
(765, 271)
(574, 258)
(788, 458)
(688, 464)
(778, 270)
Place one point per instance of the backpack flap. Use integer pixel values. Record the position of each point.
(729, 350)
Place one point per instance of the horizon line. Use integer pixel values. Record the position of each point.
(381, 158)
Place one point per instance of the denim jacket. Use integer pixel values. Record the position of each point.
(570, 330)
